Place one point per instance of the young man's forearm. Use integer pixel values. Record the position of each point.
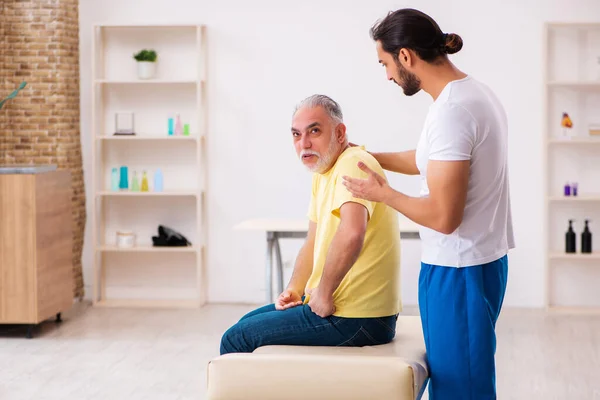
(343, 252)
(422, 210)
(402, 162)
(302, 269)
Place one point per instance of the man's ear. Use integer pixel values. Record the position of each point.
(340, 133)
(405, 57)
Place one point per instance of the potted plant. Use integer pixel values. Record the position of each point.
(146, 63)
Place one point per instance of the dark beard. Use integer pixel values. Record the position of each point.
(409, 82)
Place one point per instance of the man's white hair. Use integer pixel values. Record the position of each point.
(332, 108)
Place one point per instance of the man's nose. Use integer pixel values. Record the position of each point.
(305, 142)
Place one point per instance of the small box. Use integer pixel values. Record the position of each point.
(594, 130)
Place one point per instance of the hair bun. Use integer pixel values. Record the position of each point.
(453, 43)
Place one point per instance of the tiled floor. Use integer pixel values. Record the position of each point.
(162, 354)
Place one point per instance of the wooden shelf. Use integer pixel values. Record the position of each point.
(147, 194)
(178, 88)
(146, 81)
(575, 85)
(142, 303)
(577, 199)
(575, 141)
(571, 83)
(148, 249)
(149, 137)
(146, 26)
(571, 310)
(575, 256)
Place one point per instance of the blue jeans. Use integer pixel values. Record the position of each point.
(459, 308)
(300, 326)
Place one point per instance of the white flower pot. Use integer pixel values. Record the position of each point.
(146, 69)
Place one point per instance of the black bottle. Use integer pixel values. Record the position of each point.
(586, 239)
(570, 239)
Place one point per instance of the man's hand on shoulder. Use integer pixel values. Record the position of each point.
(373, 188)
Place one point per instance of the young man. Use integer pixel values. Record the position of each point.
(464, 207)
(344, 290)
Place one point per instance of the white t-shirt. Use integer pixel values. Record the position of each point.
(467, 122)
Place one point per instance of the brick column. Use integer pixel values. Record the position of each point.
(39, 43)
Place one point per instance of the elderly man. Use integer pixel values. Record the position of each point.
(344, 290)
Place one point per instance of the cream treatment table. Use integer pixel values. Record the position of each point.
(276, 229)
(393, 371)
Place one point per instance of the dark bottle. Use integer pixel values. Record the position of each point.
(586, 239)
(570, 239)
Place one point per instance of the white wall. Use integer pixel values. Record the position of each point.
(267, 55)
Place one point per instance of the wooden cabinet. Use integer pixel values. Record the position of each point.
(36, 245)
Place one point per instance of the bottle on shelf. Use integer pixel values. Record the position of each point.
(124, 179)
(570, 245)
(114, 180)
(171, 126)
(586, 239)
(145, 182)
(135, 184)
(178, 126)
(158, 181)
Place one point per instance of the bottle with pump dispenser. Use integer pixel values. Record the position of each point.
(586, 239)
(570, 244)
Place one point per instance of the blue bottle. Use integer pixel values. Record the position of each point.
(171, 126)
(158, 181)
(124, 181)
(114, 180)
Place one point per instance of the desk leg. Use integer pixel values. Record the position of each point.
(269, 268)
(279, 266)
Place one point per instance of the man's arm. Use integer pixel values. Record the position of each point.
(402, 162)
(345, 247)
(443, 209)
(304, 262)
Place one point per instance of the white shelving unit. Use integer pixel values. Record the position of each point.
(572, 85)
(145, 275)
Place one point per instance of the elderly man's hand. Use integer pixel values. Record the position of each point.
(320, 303)
(288, 299)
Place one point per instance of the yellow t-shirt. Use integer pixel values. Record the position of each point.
(371, 288)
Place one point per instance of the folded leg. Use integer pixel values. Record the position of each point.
(302, 327)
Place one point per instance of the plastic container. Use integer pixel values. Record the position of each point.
(158, 181)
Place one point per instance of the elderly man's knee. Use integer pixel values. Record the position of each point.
(234, 341)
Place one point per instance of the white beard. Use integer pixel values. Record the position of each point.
(324, 161)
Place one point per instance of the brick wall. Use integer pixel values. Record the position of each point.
(39, 43)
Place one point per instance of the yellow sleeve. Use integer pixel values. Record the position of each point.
(349, 167)
(312, 207)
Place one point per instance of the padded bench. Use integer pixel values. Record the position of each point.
(394, 371)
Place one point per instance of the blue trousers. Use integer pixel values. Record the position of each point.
(459, 308)
(301, 326)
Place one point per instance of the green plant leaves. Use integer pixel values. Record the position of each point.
(13, 94)
(146, 55)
